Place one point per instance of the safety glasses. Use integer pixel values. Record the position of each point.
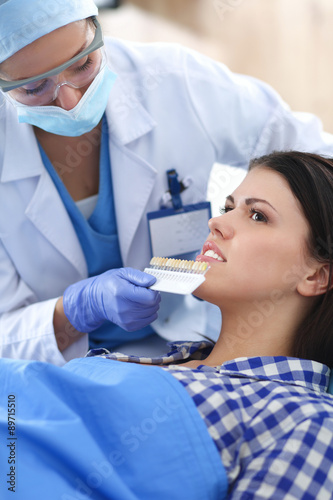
(97, 43)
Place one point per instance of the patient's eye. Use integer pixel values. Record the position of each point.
(258, 216)
(224, 210)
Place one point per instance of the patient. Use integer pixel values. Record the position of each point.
(247, 418)
(262, 389)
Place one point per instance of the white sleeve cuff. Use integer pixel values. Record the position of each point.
(77, 350)
(28, 333)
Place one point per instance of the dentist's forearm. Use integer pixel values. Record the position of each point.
(64, 331)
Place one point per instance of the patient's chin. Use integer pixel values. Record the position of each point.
(199, 292)
(207, 293)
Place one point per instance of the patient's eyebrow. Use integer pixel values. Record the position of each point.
(250, 201)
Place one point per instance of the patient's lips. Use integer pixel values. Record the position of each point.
(211, 252)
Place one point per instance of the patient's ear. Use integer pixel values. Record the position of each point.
(316, 281)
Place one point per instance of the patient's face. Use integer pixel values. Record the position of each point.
(258, 246)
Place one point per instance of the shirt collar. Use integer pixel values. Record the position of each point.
(293, 371)
(305, 373)
(301, 372)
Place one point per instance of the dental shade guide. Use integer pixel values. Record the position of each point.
(176, 275)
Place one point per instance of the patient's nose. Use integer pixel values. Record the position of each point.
(220, 227)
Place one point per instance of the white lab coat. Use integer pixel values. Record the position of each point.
(169, 108)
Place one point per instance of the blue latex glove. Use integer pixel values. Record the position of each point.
(119, 295)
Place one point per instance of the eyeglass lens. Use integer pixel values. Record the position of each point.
(78, 75)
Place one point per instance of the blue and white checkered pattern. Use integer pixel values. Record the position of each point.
(270, 418)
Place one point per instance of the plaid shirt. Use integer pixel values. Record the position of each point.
(270, 418)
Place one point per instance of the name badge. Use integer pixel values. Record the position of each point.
(179, 233)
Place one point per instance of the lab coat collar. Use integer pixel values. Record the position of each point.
(16, 165)
(127, 118)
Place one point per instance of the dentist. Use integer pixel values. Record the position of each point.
(88, 130)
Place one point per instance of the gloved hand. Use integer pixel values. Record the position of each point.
(118, 295)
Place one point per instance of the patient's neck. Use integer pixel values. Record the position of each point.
(229, 346)
(252, 332)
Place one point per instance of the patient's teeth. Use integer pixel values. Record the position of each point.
(211, 253)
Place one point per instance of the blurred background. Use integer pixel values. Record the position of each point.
(288, 44)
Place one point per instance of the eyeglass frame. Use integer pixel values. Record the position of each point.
(96, 43)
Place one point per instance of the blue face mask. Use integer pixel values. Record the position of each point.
(77, 121)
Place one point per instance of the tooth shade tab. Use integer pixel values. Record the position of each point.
(176, 275)
(185, 266)
(211, 253)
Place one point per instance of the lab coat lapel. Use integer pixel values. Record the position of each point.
(45, 209)
(133, 181)
(133, 177)
(48, 214)
(17, 164)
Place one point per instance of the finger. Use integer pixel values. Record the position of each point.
(144, 296)
(136, 277)
(144, 312)
(138, 325)
(126, 312)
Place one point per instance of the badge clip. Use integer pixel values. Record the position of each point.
(175, 188)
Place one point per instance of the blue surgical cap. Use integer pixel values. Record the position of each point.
(23, 21)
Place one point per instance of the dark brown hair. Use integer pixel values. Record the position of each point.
(310, 177)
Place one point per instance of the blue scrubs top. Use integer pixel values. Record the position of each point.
(98, 237)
